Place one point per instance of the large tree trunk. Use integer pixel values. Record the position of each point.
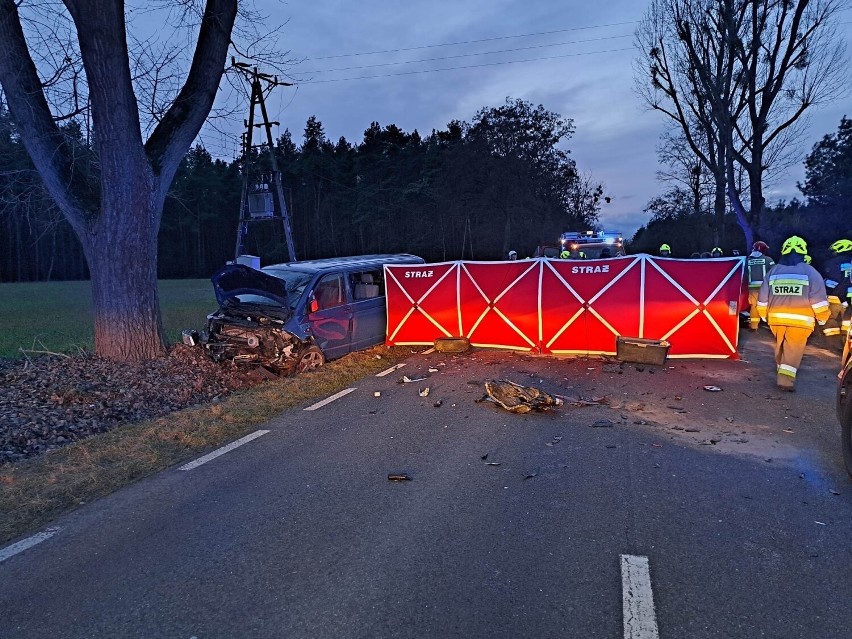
(119, 233)
(123, 264)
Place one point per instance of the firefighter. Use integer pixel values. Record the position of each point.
(836, 275)
(716, 252)
(513, 255)
(565, 254)
(757, 265)
(792, 299)
(665, 250)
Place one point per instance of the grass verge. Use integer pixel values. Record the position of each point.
(35, 491)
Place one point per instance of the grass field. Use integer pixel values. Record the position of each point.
(57, 316)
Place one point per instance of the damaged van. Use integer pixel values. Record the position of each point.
(292, 317)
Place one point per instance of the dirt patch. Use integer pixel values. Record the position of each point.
(50, 401)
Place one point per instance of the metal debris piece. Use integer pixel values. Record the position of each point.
(405, 379)
(433, 370)
(438, 403)
(398, 477)
(519, 399)
(595, 401)
(377, 393)
(712, 389)
(492, 463)
(423, 392)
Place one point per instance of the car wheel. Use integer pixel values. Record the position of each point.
(310, 357)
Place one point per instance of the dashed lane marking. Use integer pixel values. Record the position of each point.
(390, 370)
(29, 542)
(640, 619)
(221, 451)
(328, 400)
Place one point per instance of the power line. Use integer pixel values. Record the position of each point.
(469, 66)
(468, 55)
(453, 44)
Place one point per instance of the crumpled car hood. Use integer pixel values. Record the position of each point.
(239, 279)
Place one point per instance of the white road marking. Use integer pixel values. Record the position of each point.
(390, 370)
(640, 619)
(221, 451)
(29, 542)
(328, 400)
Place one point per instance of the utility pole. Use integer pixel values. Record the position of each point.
(258, 99)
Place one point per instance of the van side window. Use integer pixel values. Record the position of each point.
(330, 291)
(367, 285)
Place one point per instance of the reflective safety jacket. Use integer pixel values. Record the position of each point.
(757, 265)
(837, 280)
(793, 296)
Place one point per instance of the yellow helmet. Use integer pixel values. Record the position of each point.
(841, 246)
(665, 247)
(794, 243)
(808, 259)
(565, 255)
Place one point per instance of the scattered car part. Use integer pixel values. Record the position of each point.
(519, 399)
(398, 477)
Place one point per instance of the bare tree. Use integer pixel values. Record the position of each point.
(115, 213)
(743, 72)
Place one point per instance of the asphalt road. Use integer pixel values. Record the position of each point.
(298, 532)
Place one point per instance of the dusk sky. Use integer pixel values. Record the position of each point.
(420, 65)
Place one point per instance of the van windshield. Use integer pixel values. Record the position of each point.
(296, 282)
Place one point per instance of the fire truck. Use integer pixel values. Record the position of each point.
(591, 243)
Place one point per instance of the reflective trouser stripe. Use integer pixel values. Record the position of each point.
(833, 299)
(829, 332)
(784, 369)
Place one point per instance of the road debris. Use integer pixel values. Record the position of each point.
(405, 379)
(377, 393)
(423, 392)
(596, 401)
(492, 463)
(603, 423)
(519, 399)
(438, 403)
(833, 492)
(433, 370)
(532, 473)
(712, 389)
(398, 477)
(556, 439)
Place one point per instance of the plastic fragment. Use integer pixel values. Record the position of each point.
(423, 392)
(833, 492)
(377, 394)
(398, 477)
(405, 379)
(492, 463)
(438, 403)
(433, 370)
(712, 389)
